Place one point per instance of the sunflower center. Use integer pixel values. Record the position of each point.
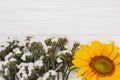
(102, 65)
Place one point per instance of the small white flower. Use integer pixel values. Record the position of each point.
(17, 51)
(64, 52)
(12, 60)
(52, 72)
(25, 50)
(6, 62)
(25, 54)
(1, 63)
(60, 52)
(54, 39)
(22, 78)
(38, 63)
(7, 57)
(46, 48)
(67, 51)
(30, 68)
(41, 57)
(44, 78)
(6, 71)
(2, 49)
(1, 78)
(46, 75)
(22, 74)
(22, 65)
(59, 60)
(47, 55)
(40, 78)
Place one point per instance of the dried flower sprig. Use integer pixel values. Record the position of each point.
(30, 61)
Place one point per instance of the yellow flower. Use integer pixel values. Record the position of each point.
(98, 61)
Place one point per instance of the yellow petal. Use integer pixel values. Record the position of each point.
(86, 75)
(87, 50)
(97, 47)
(72, 67)
(117, 60)
(114, 53)
(108, 48)
(79, 63)
(94, 77)
(80, 54)
(81, 71)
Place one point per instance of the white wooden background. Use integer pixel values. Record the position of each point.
(59, 16)
(90, 19)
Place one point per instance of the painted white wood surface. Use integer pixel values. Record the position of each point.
(98, 17)
(59, 16)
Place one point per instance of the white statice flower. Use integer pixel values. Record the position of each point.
(41, 57)
(22, 73)
(30, 68)
(1, 78)
(59, 60)
(67, 51)
(52, 72)
(60, 52)
(47, 48)
(38, 63)
(54, 39)
(25, 54)
(7, 57)
(1, 63)
(6, 71)
(17, 51)
(45, 76)
(26, 41)
(16, 42)
(22, 78)
(25, 50)
(48, 74)
(39, 78)
(2, 49)
(22, 65)
(12, 60)
(6, 62)
(64, 52)
(47, 55)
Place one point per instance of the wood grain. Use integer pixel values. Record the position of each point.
(59, 16)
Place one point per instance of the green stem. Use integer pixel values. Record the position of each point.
(58, 76)
(68, 75)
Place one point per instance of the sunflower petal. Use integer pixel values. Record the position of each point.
(97, 47)
(114, 53)
(81, 71)
(117, 60)
(108, 48)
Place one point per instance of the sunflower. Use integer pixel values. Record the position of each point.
(97, 61)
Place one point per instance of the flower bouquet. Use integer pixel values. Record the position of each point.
(30, 60)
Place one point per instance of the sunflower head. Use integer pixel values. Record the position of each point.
(97, 61)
